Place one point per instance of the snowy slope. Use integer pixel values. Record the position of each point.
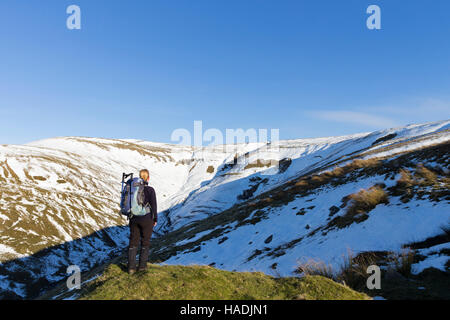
(306, 155)
(59, 197)
(271, 243)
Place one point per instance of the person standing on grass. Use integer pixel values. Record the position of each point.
(141, 228)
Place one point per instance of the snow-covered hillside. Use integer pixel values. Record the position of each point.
(59, 202)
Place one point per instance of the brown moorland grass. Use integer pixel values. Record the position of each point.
(406, 179)
(260, 164)
(424, 175)
(403, 261)
(337, 174)
(354, 268)
(314, 267)
(361, 203)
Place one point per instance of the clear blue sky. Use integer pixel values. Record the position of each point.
(140, 69)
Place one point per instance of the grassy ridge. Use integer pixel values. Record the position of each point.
(174, 282)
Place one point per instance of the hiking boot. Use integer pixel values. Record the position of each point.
(132, 252)
(143, 258)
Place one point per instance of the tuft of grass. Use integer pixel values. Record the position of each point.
(425, 176)
(210, 169)
(302, 183)
(314, 267)
(424, 181)
(337, 175)
(175, 282)
(402, 261)
(406, 179)
(366, 199)
(363, 163)
(260, 163)
(336, 172)
(40, 178)
(361, 203)
(354, 269)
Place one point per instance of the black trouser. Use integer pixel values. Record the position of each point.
(141, 229)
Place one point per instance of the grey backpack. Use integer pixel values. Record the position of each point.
(133, 197)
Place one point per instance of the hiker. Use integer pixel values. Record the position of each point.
(141, 228)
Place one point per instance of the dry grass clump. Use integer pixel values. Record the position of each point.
(260, 164)
(318, 179)
(363, 163)
(402, 262)
(422, 176)
(361, 203)
(367, 199)
(40, 178)
(302, 183)
(410, 184)
(406, 179)
(354, 268)
(425, 176)
(315, 267)
(210, 169)
(352, 273)
(337, 174)
(184, 162)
